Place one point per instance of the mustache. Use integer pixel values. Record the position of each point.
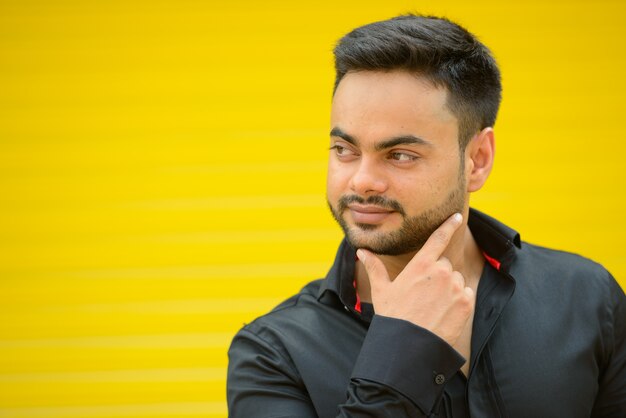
(376, 200)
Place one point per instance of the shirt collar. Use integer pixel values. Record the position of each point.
(498, 242)
(340, 277)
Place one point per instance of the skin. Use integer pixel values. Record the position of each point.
(394, 139)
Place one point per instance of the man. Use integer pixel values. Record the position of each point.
(431, 308)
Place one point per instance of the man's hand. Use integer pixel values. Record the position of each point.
(428, 292)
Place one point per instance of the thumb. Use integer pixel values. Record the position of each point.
(376, 271)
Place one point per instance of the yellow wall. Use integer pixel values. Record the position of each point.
(162, 177)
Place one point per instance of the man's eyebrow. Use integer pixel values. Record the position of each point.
(389, 143)
(401, 140)
(341, 134)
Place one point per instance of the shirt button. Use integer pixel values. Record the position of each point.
(440, 379)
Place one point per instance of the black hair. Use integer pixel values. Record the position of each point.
(436, 48)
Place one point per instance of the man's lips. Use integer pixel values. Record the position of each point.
(368, 214)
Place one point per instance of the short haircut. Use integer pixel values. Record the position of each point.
(437, 49)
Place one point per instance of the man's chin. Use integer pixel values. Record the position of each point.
(373, 238)
(367, 238)
(368, 227)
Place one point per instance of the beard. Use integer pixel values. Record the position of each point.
(410, 236)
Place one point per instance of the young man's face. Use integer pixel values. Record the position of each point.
(394, 172)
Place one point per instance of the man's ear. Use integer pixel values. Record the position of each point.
(479, 155)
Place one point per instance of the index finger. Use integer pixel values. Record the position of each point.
(438, 241)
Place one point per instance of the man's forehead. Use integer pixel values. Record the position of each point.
(389, 88)
(364, 80)
(388, 104)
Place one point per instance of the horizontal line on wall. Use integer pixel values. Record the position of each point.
(174, 409)
(196, 340)
(231, 202)
(196, 374)
(227, 271)
(244, 237)
(252, 167)
(226, 305)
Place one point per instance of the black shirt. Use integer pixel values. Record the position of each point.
(548, 340)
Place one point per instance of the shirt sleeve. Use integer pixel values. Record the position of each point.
(402, 358)
(400, 372)
(611, 399)
(262, 382)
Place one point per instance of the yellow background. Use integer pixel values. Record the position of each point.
(162, 170)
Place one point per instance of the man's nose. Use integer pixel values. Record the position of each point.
(368, 178)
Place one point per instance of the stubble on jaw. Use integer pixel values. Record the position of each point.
(413, 232)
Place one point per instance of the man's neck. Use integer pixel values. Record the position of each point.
(462, 252)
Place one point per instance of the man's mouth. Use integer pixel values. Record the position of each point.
(368, 214)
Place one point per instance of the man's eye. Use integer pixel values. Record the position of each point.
(341, 151)
(402, 156)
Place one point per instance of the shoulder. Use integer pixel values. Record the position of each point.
(564, 276)
(294, 314)
(551, 263)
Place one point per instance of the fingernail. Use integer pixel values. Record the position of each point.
(360, 254)
(458, 217)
